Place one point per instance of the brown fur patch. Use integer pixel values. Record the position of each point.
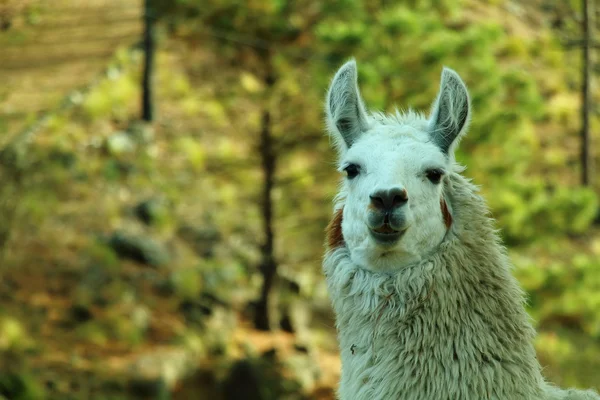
(445, 213)
(334, 235)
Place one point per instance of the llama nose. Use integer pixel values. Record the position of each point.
(388, 200)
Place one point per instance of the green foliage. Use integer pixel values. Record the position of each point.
(15, 37)
(192, 150)
(32, 14)
(126, 324)
(563, 290)
(112, 97)
(12, 334)
(3, 122)
(224, 281)
(187, 283)
(103, 255)
(37, 205)
(111, 170)
(92, 332)
(529, 211)
(20, 386)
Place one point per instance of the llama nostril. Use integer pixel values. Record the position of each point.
(377, 202)
(385, 200)
(399, 198)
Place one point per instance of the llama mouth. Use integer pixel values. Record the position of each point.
(385, 234)
(386, 229)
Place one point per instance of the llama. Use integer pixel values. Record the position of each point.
(426, 307)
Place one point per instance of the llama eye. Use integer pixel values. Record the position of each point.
(434, 175)
(352, 171)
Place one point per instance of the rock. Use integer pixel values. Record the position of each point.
(301, 348)
(263, 378)
(218, 329)
(80, 313)
(294, 314)
(243, 382)
(141, 132)
(149, 389)
(194, 311)
(187, 282)
(119, 142)
(139, 248)
(286, 323)
(140, 317)
(202, 239)
(212, 299)
(305, 369)
(164, 287)
(270, 355)
(116, 169)
(92, 332)
(191, 341)
(226, 281)
(289, 285)
(198, 310)
(98, 286)
(14, 157)
(127, 322)
(151, 211)
(155, 374)
(66, 159)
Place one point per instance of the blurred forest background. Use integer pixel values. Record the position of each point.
(165, 243)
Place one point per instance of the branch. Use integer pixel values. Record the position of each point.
(572, 43)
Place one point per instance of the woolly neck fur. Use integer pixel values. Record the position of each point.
(452, 326)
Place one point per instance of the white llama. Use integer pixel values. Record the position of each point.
(426, 307)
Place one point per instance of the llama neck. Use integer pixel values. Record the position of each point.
(458, 313)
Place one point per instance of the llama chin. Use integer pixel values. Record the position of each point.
(433, 313)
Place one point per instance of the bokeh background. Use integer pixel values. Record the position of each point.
(166, 180)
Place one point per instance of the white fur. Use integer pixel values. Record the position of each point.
(438, 315)
(393, 156)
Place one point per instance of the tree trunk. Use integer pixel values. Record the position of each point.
(268, 265)
(147, 103)
(586, 106)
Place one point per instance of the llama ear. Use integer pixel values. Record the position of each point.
(450, 112)
(346, 115)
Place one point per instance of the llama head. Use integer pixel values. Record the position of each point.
(396, 167)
